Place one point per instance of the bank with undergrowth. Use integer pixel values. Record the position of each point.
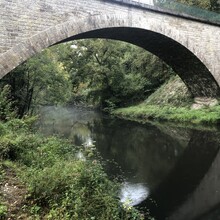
(172, 102)
(43, 178)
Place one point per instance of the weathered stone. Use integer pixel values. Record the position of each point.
(190, 46)
(201, 102)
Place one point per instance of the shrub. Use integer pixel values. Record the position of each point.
(3, 211)
(6, 110)
(60, 185)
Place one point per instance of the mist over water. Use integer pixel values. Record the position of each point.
(163, 167)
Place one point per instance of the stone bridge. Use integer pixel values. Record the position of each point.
(189, 45)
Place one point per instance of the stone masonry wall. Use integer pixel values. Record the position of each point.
(29, 26)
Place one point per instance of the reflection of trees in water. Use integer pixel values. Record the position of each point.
(141, 151)
(147, 154)
(72, 123)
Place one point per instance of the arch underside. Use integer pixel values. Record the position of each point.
(191, 70)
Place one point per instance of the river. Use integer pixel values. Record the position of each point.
(173, 171)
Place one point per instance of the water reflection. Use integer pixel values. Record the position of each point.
(185, 178)
(206, 194)
(136, 147)
(132, 194)
(143, 154)
(80, 156)
(170, 166)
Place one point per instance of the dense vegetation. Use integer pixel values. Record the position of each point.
(39, 81)
(60, 185)
(105, 74)
(57, 184)
(54, 181)
(144, 112)
(102, 73)
(171, 102)
(212, 5)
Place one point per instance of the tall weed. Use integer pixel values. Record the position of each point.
(61, 185)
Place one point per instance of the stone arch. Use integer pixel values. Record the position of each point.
(154, 38)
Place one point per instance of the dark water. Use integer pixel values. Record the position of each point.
(175, 172)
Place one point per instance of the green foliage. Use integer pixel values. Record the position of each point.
(171, 102)
(201, 9)
(111, 73)
(212, 5)
(6, 109)
(75, 186)
(2, 129)
(39, 81)
(3, 207)
(15, 138)
(3, 211)
(205, 4)
(169, 113)
(102, 73)
(60, 185)
(110, 106)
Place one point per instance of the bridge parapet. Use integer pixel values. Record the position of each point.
(174, 8)
(190, 47)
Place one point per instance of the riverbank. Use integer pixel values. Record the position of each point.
(145, 112)
(171, 102)
(49, 178)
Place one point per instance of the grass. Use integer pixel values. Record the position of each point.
(59, 185)
(171, 102)
(3, 207)
(169, 113)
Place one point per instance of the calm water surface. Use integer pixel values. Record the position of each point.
(175, 172)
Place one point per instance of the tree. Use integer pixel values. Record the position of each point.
(111, 72)
(6, 109)
(211, 5)
(106, 73)
(39, 81)
(205, 4)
